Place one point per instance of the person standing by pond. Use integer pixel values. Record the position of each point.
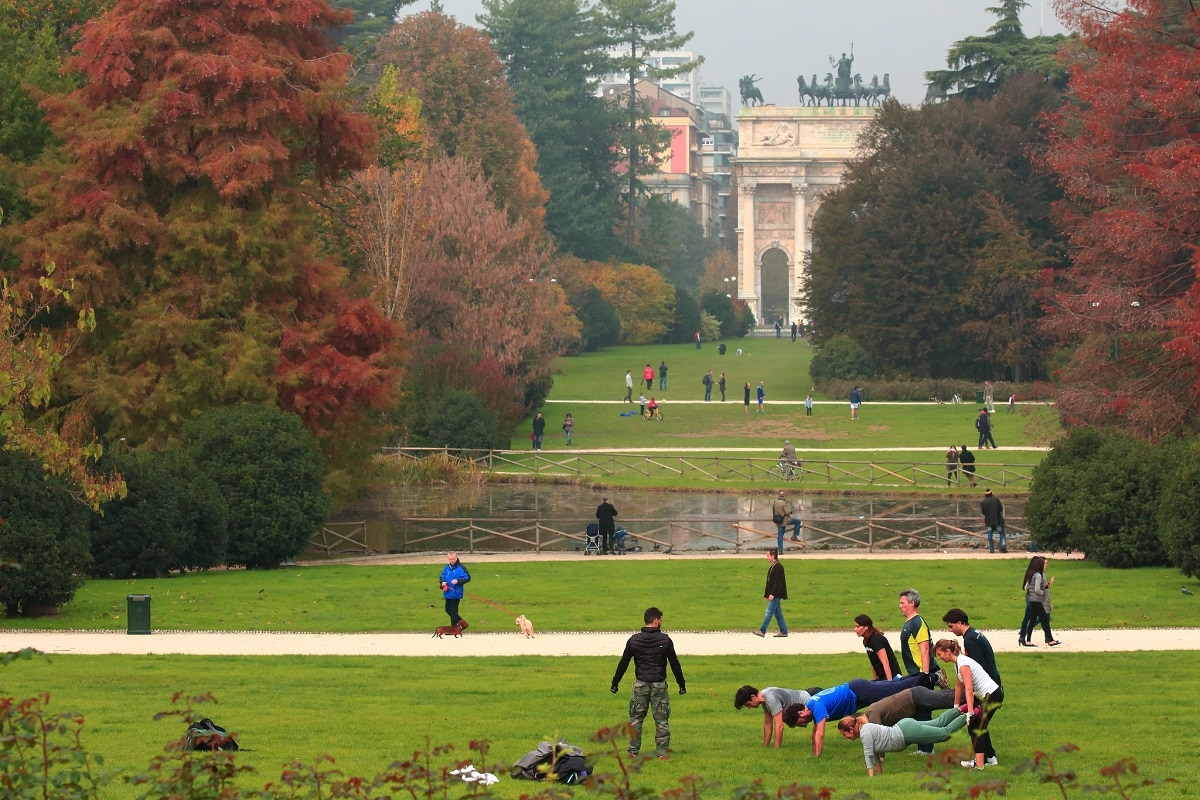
(993, 517)
(952, 465)
(967, 459)
(539, 430)
(606, 513)
(454, 578)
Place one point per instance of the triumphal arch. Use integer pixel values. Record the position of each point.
(788, 159)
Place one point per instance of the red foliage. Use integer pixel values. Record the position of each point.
(1125, 149)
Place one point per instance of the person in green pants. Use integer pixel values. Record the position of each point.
(880, 739)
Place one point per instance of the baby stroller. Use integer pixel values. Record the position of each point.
(592, 539)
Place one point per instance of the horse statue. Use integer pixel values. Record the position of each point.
(857, 89)
(871, 91)
(885, 89)
(803, 90)
(751, 96)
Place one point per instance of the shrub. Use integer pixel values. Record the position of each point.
(1179, 510)
(457, 420)
(601, 326)
(269, 472)
(43, 537)
(1098, 493)
(710, 327)
(172, 518)
(841, 358)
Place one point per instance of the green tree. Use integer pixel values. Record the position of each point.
(553, 52)
(173, 518)
(601, 326)
(458, 420)
(898, 244)
(269, 472)
(1099, 493)
(979, 65)
(1179, 509)
(671, 241)
(842, 358)
(43, 536)
(636, 28)
(372, 19)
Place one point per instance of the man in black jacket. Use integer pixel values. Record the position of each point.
(775, 591)
(651, 651)
(993, 517)
(606, 512)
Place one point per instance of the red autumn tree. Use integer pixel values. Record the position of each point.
(174, 202)
(467, 105)
(1125, 149)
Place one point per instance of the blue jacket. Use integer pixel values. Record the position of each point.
(456, 572)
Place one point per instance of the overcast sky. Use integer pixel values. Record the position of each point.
(780, 39)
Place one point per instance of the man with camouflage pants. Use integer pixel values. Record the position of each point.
(651, 651)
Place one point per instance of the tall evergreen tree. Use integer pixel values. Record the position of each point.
(554, 51)
(372, 19)
(978, 65)
(636, 28)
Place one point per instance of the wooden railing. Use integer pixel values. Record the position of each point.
(732, 468)
(667, 535)
(341, 538)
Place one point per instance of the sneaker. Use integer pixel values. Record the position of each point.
(631, 753)
(780, 636)
(970, 765)
(992, 762)
(759, 634)
(942, 681)
(664, 758)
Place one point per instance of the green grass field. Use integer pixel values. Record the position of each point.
(369, 712)
(703, 595)
(895, 436)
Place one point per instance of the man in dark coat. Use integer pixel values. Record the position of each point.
(993, 517)
(983, 424)
(775, 591)
(607, 515)
(651, 651)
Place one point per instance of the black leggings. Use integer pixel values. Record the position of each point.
(978, 727)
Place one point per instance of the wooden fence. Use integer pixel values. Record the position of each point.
(667, 535)
(898, 475)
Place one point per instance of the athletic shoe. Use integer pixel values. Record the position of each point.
(759, 634)
(780, 636)
(664, 758)
(992, 762)
(631, 753)
(970, 765)
(942, 681)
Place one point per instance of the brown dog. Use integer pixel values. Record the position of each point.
(526, 626)
(448, 629)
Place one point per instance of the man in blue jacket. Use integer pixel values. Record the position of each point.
(454, 578)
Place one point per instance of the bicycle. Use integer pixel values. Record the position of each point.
(653, 414)
(791, 470)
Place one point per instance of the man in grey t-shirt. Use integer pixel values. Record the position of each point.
(773, 700)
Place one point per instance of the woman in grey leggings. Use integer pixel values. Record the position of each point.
(880, 739)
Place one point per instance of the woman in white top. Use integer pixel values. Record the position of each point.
(979, 694)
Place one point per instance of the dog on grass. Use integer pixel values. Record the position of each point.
(452, 630)
(526, 626)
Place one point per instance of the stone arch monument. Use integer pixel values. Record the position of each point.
(788, 158)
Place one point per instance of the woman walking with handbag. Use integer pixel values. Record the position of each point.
(1037, 603)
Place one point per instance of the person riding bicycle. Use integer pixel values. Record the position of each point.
(651, 408)
(788, 458)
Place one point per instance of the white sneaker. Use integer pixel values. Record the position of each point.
(992, 762)
(970, 765)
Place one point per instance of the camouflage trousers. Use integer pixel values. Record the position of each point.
(653, 698)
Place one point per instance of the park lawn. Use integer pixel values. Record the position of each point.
(699, 594)
(369, 712)
(718, 425)
(781, 364)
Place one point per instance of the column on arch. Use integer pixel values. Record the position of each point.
(799, 245)
(747, 289)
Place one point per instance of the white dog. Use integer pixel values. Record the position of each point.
(739, 352)
(526, 626)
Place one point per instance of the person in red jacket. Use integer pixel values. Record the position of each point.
(648, 377)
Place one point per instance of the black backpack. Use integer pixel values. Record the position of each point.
(208, 735)
(565, 761)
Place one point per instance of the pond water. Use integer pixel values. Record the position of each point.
(528, 516)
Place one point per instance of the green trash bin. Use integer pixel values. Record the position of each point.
(139, 613)
(979, 397)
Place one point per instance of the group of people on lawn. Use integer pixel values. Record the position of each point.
(892, 710)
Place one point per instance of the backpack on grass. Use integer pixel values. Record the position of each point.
(565, 761)
(208, 735)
